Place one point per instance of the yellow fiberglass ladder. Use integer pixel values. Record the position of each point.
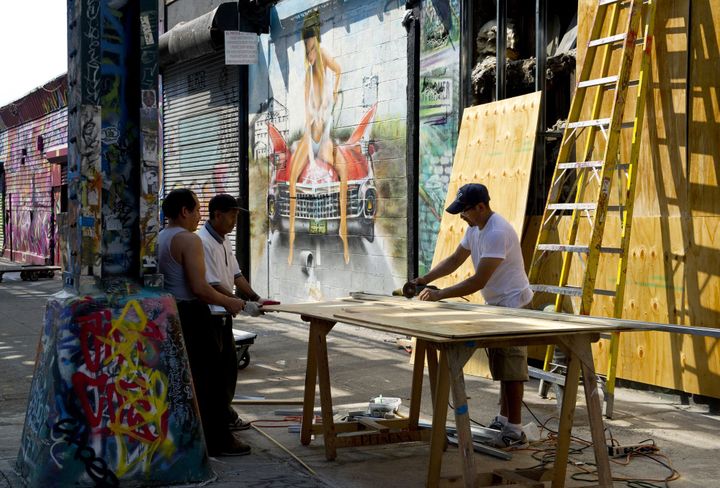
(594, 156)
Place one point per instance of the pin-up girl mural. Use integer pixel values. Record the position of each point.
(322, 83)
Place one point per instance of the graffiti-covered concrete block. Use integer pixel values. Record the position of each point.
(111, 401)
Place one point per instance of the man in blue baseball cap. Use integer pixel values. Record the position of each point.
(494, 247)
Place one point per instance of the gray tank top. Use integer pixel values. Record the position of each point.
(174, 274)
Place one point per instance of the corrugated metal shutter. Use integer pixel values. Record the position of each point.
(2, 213)
(200, 128)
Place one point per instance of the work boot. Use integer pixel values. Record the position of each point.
(231, 447)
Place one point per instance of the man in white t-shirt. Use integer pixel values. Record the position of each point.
(500, 276)
(223, 273)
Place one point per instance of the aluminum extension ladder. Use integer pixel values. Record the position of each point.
(580, 199)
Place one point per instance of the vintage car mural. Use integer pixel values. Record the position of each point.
(318, 186)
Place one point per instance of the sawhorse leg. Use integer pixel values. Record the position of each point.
(451, 362)
(580, 357)
(318, 368)
(417, 380)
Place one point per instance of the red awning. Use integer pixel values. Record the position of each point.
(57, 154)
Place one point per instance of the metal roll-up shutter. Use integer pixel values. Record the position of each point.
(2, 212)
(200, 128)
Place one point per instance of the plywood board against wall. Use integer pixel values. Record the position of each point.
(495, 148)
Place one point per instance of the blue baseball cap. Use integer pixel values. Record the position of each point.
(468, 196)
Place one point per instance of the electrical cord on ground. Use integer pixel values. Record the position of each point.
(546, 456)
(646, 448)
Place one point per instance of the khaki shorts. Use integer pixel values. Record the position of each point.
(509, 363)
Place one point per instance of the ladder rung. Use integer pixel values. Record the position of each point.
(598, 123)
(590, 164)
(607, 40)
(608, 80)
(608, 2)
(576, 248)
(630, 83)
(573, 291)
(589, 123)
(558, 290)
(563, 248)
(616, 208)
(611, 250)
(580, 164)
(572, 206)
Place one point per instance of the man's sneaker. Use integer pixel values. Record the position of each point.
(496, 424)
(509, 438)
(233, 447)
(238, 424)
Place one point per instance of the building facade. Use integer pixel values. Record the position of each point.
(33, 157)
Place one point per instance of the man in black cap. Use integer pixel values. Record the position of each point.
(494, 247)
(223, 274)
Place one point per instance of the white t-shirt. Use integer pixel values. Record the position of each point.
(221, 267)
(508, 286)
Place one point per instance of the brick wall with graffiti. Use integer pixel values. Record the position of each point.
(328, 107)
(439, 117)
(111, 399)
(30, 233)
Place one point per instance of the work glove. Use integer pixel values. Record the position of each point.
(252, 309)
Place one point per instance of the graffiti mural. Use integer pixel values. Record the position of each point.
(328, 148)
(111, 398)
(439, 112)
(28, 193)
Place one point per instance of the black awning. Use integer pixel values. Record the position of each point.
(198, 37)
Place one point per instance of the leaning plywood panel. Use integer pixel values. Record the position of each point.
(663, 286)
(704, 106)
(662, 187)
(702, 254)
(702, 273)
(495, 147)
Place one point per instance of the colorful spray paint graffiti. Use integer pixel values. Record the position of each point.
(111, 399)
(29, 186)
(113, 142)
(439, 109)
(149, 141)
(329, 147)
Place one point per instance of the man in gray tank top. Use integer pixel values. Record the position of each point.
(182, 262)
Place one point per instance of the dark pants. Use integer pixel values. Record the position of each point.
(203, 341)
(229, 361)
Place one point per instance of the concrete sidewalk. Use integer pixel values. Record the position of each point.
(364, 364)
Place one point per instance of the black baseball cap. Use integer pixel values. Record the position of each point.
(223, 203)
(468, 196)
